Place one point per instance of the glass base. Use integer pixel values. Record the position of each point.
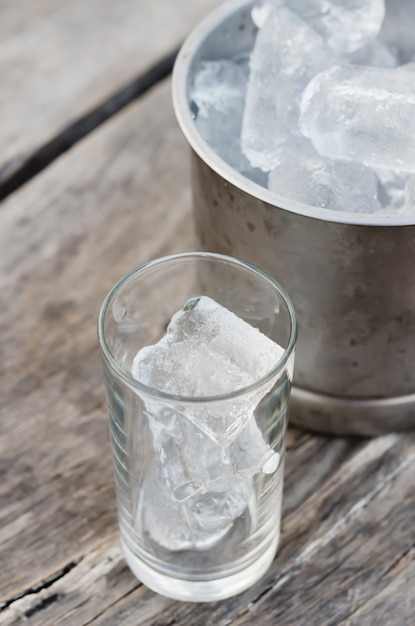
(200, 591)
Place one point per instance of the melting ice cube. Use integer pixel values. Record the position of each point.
(322, 182)
(206, 456)
(391, 189)
(375, 53)
(286, 55)
(365, 114)
(198, 523)
(345, 24)
(409, 196)
(209, 351)
(194, 462)
(218, 96)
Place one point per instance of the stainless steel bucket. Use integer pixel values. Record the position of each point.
(351, 277)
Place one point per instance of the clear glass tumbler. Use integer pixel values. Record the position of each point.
(198, 478)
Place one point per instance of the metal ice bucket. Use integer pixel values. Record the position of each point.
(351, 277)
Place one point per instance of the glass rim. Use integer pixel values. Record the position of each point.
(136, 385)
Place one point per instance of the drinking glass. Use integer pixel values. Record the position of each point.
(199, 506)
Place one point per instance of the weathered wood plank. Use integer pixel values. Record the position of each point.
(70, 595)
(310, 465)
(99, 579)
(348, 565)
(394, 604)
(108, 205)
(59, 60)
(353, 532)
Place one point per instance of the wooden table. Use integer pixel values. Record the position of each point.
(94, 180)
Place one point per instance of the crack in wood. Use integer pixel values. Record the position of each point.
(28, 167)
(45, 602)
(396, 563)
(44, 584)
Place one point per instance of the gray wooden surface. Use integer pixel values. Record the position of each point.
(118, 197)
(62, 60)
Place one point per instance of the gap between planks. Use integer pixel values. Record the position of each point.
(86, 124)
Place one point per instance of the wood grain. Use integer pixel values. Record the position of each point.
(351, 561)
(57, 603)
(118, 198)
(111, 203)
(61, 59)
(340, 549)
